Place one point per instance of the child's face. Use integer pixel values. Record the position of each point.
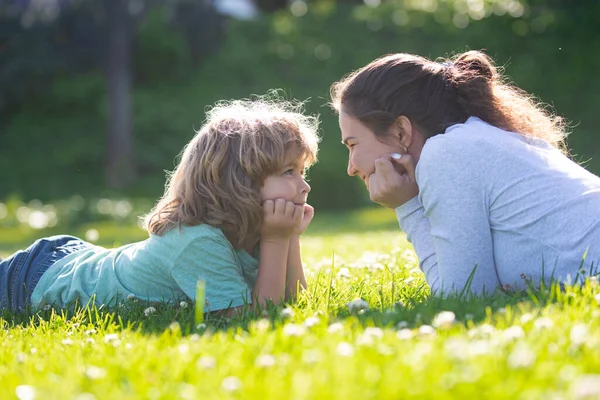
(288, 183)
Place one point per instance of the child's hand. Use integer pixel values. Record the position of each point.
(389, 187)
(280, 219)
(308, 214)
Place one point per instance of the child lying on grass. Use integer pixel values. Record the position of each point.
(231, 215)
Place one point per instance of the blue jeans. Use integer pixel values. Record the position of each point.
(21, 272)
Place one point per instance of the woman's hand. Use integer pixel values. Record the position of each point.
(280, 219)
(308, 214)
(389, 187)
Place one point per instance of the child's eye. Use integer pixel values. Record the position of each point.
(289, 172)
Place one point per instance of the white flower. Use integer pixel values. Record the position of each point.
(265, 361)
(149, 311)
(469, 317)
(345, 349)
(374, 332)
(336, 327)
(597, 297)
(183, 304)
(183, 348)
(543, 323)
(444, 319)
(405, 334)
(93, 372)
(131, 296)
(201, 326)
(357, 305)
(514, 332)
(311, 356)
(586, 387)
(311, 321)
(293, 330)
(67, 342)
(402, 324)
(521, 357)
(47, 307)
(231, 384)
(287, 313)
(578, 334)
(426, 330)
(111, 337)
(344, 273)
(25, 392)
(525, 318)
(90, 332)
(206, 362)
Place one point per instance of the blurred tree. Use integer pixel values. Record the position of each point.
(39, 38)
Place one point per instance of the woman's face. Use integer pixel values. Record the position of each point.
(363, 146)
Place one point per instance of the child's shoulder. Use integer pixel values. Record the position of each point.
(189, 233)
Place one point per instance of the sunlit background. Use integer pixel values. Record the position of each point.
(97, 97)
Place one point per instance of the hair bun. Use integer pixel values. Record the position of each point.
(476, 62)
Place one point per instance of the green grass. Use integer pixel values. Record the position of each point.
(542, 344)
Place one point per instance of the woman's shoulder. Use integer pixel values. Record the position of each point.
(473, 141)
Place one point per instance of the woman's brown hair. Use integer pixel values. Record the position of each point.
(436, 95)
(222, 169)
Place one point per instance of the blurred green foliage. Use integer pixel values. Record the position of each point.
(53, 144)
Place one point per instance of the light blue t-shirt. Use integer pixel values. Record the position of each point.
(160, 268)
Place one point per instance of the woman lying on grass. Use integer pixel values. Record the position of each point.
(475, 169)
(232, 215)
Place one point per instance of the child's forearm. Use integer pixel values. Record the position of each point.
(270, 283)
(295, 278)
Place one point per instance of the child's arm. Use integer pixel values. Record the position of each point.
(295, 279)
(280, 220)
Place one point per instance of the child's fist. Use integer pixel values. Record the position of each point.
(280, 219)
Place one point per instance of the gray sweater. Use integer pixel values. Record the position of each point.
(514, 207)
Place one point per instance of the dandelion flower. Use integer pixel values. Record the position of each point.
(149, 311)
(206, 362)
(336, 327)
(345, 349)
(444, 319)
(294, 330)
(357, 305)
(543, 323)
(25, 392)
(311, 321)
(265, 361)
(231, 384)
(578, 334)
(586, 387)
(287, 313)
(513, 333)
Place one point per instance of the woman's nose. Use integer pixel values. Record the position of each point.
(351, 169)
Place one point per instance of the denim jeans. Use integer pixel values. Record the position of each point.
(21, 272)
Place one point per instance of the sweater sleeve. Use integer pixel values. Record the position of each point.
(452, 190)
(413, 221)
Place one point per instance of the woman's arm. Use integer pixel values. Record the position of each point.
(413, 221)
(452, 189)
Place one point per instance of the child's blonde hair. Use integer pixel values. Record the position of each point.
(222, 169)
